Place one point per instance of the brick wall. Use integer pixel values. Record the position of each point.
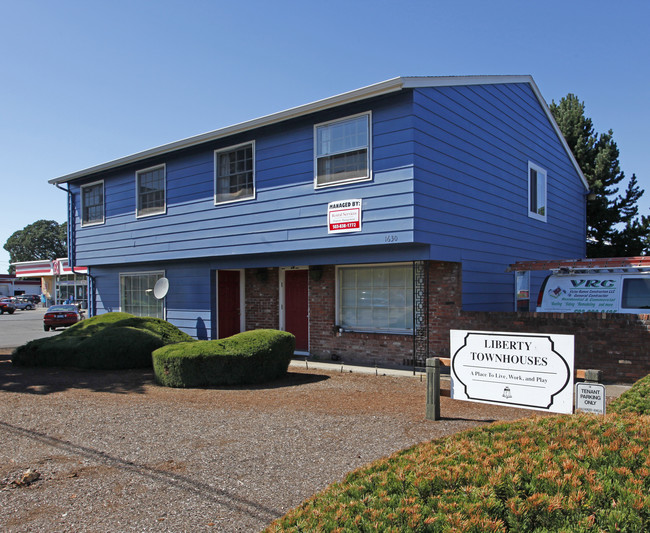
(617, 344)
(262, 298)
(445, 302)
(327, 343)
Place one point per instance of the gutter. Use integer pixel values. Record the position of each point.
(71, 255)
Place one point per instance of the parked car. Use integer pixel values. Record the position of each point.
(61, 316)
(22, 303)
(6, 306)
(34, 298)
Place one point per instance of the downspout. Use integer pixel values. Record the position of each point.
(71, 252)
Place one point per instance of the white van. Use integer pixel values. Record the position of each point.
(598, 292)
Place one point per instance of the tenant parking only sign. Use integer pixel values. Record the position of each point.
(344, 216)
(530, 371)
(590, 398)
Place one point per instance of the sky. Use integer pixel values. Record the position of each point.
(86, 82)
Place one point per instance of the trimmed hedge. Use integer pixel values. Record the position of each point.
(246, 358)
(109, 341)
(635, 400)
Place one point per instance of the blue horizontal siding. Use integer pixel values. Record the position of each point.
(188, 303)
(449, 182)
(473, 145)
(287, 213)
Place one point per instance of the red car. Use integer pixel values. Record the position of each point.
(61, 316)
(7, 307)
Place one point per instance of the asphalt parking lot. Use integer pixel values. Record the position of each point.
(21, 327)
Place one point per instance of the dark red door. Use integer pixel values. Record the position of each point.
(296, 307)
(228, 304)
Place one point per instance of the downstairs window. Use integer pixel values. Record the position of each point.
(376, 298)
(136, 294)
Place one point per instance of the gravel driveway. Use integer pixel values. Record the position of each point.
(114, 452)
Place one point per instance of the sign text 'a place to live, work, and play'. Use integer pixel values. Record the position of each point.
(523, 370)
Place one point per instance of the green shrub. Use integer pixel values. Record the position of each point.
(561, 473)
(634, 400)
(246, 358)
(92, 325)
(108, 341)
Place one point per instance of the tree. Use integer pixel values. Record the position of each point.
(614, 228)
(42, 240)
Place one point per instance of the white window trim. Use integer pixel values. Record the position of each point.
(337, 308)
(369, 155)
(531, 212)
(216, 159)
(137, 192)
(141, 273)
(81, 194)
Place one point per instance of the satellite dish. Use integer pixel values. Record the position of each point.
(161, 288)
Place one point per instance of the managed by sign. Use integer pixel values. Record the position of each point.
(344, 216)
(530, 371)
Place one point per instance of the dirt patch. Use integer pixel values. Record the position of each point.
(116, 452)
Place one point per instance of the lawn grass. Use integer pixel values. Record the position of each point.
(549, 473)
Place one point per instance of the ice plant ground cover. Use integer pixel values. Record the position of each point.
(548, 473)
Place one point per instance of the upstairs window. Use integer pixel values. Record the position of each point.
(234, 173)
(536, 192)
(150, 184)
(92, 204)
(342, 151)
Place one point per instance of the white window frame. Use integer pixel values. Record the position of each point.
(83, 210)
(368, 176)
(163, 210)
(142, 273)
(216, 172)
(338, 302)
(533, 210)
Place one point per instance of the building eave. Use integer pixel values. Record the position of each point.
(370, 91)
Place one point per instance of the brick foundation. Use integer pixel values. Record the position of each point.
(262, 298)
(327, 343)
(619, 345)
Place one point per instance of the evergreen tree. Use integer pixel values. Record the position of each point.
(44, 239)
(614, 228)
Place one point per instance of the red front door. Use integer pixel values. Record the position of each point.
(296, 307)
(228, 303)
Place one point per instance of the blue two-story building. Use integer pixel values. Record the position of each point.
(352, 222)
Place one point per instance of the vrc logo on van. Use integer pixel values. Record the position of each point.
(605, 283)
